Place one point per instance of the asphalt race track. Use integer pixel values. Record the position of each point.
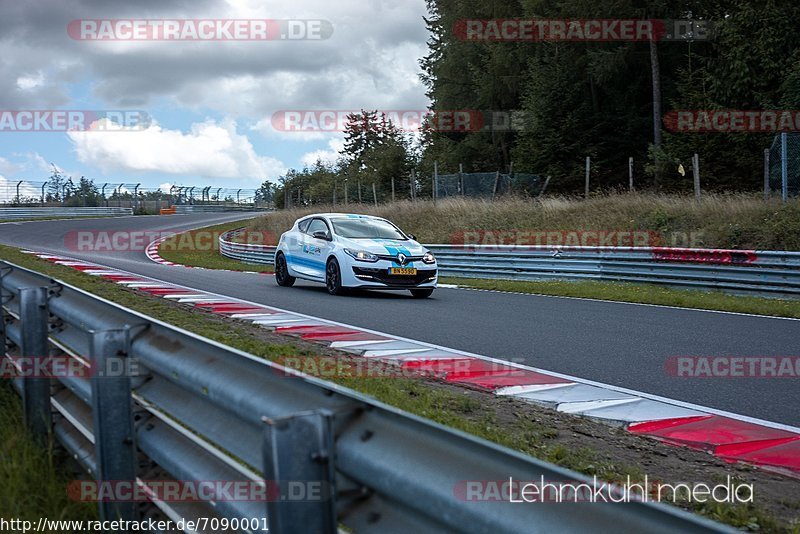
(620, 344)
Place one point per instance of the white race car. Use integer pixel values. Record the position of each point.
(354, 251)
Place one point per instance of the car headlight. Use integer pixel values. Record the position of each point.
(361, 255)
(428, 257)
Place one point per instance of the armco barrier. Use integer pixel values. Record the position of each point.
(196, 410)
(765, 272)
(41, 213)
(212, 208)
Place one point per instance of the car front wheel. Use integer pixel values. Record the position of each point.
(333, 277)
(282, 275)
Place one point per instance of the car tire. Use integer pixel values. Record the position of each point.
(282, 275)
(333, 277)
(422, 293)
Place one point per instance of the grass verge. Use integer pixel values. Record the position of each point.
(576, 443)
(171, 250)
(33, 482)
(731, 221)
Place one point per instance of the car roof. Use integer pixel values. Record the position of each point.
(339, 215)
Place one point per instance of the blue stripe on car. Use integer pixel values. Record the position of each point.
(305, 262)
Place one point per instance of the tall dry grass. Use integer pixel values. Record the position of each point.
(737, 221)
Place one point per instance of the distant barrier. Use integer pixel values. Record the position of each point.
(44, 213)
(211, 208)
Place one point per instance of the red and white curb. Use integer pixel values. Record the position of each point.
(730, 437)
(152, 254)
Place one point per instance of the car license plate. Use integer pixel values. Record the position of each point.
(403, 271)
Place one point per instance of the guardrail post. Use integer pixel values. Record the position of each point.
(112, 418)
(588, 175)
(299, 464)
(784, 166)
(696, 175)
(4, 298)
(33, 330)
(766, 173)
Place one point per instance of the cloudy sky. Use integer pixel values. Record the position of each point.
(211, 103)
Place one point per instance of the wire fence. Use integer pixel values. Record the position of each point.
(343, 192)
(488, 184)
(66, 193)
(784, 165)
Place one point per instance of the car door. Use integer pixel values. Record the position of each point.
(315, 249)
(295, 244)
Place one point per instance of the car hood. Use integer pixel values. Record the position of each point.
(384, 246)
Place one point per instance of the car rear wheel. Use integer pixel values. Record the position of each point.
(282, 275)
(333, 277)
(422, 293)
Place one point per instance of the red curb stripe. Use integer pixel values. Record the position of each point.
(338, 336)
(520, 377)
(654, 426)
(233, 311)
(456, 369)
(712, 433)
(776, 453)
(164, 291)
(231, 307)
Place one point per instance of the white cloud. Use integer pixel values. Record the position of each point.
(7, 167)
(370, 62)
(209, 150)
(27, 83)
(326, 156)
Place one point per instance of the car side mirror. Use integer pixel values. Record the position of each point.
(321, 234)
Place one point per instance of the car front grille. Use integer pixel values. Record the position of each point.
(409, 259)
(382, 276)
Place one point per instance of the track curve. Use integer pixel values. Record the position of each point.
(626, 345)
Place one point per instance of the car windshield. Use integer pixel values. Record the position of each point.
(367, 229)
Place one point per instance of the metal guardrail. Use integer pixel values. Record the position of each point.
(211, 208)
(246, 252)
(768, 272)
(196, 410)
(39, 213)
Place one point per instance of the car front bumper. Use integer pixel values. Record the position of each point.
(378, 277)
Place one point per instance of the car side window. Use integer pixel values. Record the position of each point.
(317, 225)
(303, 225)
